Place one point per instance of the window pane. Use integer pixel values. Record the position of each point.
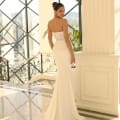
(19, 34)
(69, 4)
(73, 18)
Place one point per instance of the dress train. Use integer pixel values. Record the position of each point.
(62, 105)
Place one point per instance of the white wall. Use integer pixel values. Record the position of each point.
(45, 13)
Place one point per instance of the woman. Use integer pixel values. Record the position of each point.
(62, 105)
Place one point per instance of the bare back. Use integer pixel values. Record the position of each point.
(56, 25)
(59, 25)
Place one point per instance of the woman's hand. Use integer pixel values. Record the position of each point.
(72, 59)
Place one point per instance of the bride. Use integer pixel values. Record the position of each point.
(62, 105)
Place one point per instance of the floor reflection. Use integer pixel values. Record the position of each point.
(27, 102)
(23, 104)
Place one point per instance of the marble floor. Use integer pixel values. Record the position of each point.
(27, 102)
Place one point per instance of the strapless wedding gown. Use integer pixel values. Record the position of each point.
(62, 105)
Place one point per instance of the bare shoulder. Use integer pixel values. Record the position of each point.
(50, 21)
(65, 22)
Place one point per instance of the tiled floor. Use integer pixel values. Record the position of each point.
(25, 104)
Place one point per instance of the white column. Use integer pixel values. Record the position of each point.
(45, 14)
(117, 26)
(101, 26)
(99, 61)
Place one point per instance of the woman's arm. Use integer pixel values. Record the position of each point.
(50, 37)
(67, 40)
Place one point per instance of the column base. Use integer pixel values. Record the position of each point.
(99, 82)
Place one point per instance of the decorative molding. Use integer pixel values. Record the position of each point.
(97, 84)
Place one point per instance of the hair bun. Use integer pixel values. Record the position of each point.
(57, 5)
(54, 4)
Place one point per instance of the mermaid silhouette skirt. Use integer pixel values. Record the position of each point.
(62, 105)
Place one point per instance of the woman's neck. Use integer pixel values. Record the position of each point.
(57, 17)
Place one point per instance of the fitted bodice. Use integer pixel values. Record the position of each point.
(58, 35)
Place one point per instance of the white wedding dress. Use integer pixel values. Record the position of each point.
(62, 105)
